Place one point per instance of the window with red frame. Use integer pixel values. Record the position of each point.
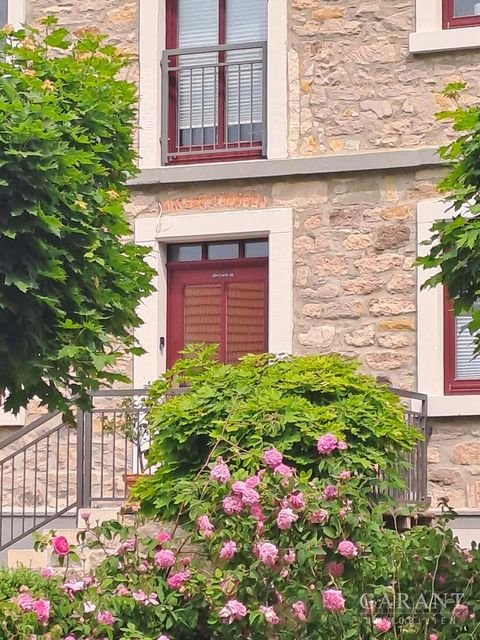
(215, 65)
(461, 13)
(3, 12)
(462, 365)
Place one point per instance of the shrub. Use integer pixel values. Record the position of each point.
(238, 411)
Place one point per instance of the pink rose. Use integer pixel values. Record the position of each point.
(232, 505)
(270, 615)
(70, 637)
(347, 549)
(342, 445)
(256, 512)
(42, 609)
(239, 487)
(60, 546)
(220, 472)
(250, 496)
(285, 518)
(186, 561)
(143, 567)
(382, 625)
(333, 600)
(460, 612)
(205, 526)
(335, 569)
(330, 492)
(139, 596)
(73, 586)
(327, 444)
(85, 515)
(297, 500)
(284, 470)
(122, 590)
(105, 617)
(289, 557)
(47, 572)
(162, 537)
(127, 545)
(25, 602)
(345, 475)
(319, 517)
(233, 610)
(163, 637)
(433, 636)
(272, 458)
(165, 559)
(268, 553)
(89, 607)
(228, 550)
(253, 482)
(178, 580)
(299, 611)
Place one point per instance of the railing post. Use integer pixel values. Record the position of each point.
(87, 459)
(80, 459)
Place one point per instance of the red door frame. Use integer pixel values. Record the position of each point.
(452, 385)
(451, 22)
(181, 274)
(205, 156)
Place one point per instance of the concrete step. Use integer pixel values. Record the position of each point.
(28, 558)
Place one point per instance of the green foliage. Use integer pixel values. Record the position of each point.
(69, 283)
(237, 411)
(454, 247)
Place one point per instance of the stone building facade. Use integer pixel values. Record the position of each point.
(352, 91)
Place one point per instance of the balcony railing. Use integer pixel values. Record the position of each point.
(214, 103)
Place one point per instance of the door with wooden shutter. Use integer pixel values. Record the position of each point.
(222, 302)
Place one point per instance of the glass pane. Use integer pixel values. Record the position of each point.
(3, 12)
(223, 251)
(467, 364)
(464, 8)
(245, 319)
(184, 252)
(256, 249)
(203, 313)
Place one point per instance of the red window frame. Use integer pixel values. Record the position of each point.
(202, 156)
(451, 22)
(452, 385)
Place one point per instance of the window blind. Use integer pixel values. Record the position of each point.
(467, 364)
(246, 21)
(3, 12)
(197, 88)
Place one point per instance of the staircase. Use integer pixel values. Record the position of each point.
(52, 468)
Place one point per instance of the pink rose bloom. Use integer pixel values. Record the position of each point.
(186, 561)
(139, 596)
(163, 637)
(177, 580)
(433, 636)
(232, 505)
(285, 518)
(297, 500)
(220, 472)
(319, 517)
(60, 546)
(143, 567)
(342, 445)
(284, 470)
(105, 617)
(256, 512)
(460, 612)
(272, 458)
(89, 607)
(253, 482)
(128, 545)
(335, 569)
(342, 514)
(233, 610)
(345, 475)
(382, 625)
(250, 496)
(47, 572)
(74, 586)
(299, 611)
(270, 615)
(70, 637)
(289, 557)
(228, 550)
(333, 600)
(25, 602)
(268, 553)
(85, 515)
(162, 537)
(330, 492)
(165, 559)
(239, 487)
(205, 526)
(42, 610)
(347, 549)
(122, 590)
(327, 444)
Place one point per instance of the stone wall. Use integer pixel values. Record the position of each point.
(353, 83)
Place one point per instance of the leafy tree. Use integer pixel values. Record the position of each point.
(69, 281)
(455, 243)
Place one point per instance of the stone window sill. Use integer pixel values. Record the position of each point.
(445, 40)
(444, 406)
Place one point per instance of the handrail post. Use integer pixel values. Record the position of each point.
(87, 459)
(80, 459)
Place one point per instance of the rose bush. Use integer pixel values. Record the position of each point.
(291, 560)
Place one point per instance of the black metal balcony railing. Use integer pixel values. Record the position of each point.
(214, 102)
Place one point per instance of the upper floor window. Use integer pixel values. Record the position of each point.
(460, 13)
(462, 364)
(214, 81)
(3, 12)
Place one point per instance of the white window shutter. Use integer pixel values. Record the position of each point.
(467, 364)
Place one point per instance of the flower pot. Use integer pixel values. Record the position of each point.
(130, 479)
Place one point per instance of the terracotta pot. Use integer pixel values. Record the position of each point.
(130, 479)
